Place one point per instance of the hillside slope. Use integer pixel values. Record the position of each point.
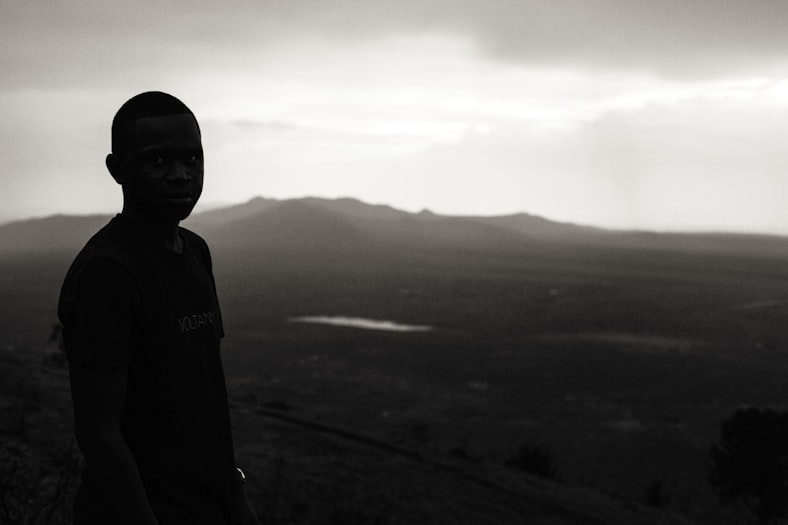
(56, 233)
(299, 472)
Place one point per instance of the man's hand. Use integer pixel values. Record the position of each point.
(248, 515)
(242, 511)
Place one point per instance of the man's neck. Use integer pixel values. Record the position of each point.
(163, 232)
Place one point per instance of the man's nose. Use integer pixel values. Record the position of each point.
(181, 172)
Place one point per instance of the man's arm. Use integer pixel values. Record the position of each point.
(241, 510)
(99, 396)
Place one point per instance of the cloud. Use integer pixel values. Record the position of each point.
(700, 165)
(606, 111)
(64, 43)
(668, 38)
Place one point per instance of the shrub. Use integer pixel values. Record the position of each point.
(32, 494)
(533, 460)
(749, 464)
(656, 493)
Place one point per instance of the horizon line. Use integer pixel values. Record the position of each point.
(212, 206)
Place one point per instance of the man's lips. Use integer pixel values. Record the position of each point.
(178, 196)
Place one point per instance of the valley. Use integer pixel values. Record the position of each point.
(619, 358)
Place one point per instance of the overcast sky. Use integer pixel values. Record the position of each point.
(663, 115)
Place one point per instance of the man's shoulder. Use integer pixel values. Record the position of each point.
(105, 259)
(113, 246)
(196, 243)
(114, 241)
(191, 236)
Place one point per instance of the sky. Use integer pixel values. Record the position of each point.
(626, 114)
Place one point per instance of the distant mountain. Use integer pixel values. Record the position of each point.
(540, 228)
(352, 223)
(263, 223)
(349, 224)
(55, 233)
(228, 214)
(357, 210)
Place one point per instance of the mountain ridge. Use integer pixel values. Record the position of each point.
(348, 223)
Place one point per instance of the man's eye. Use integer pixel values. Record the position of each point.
(155, 159)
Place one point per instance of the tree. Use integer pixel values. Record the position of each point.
(750, 463)
(656, 493)
(533, 460)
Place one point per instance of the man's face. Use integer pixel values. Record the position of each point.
(163, 167)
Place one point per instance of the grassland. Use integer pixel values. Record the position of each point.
(621, 362)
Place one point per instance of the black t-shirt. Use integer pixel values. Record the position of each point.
(130, 302)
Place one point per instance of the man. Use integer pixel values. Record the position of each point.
(142, 329)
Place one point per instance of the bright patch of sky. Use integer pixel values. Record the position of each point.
(641, 116)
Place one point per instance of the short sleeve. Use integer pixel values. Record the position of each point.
(100, 311)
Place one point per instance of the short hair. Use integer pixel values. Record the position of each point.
(148, 104)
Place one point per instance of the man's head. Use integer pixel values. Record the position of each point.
(157, 157)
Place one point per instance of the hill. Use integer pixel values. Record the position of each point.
(335, 222)
(617, 352)
(299, 471)
(55, 233)
(351, 224)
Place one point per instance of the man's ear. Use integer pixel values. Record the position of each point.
(115, 167)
